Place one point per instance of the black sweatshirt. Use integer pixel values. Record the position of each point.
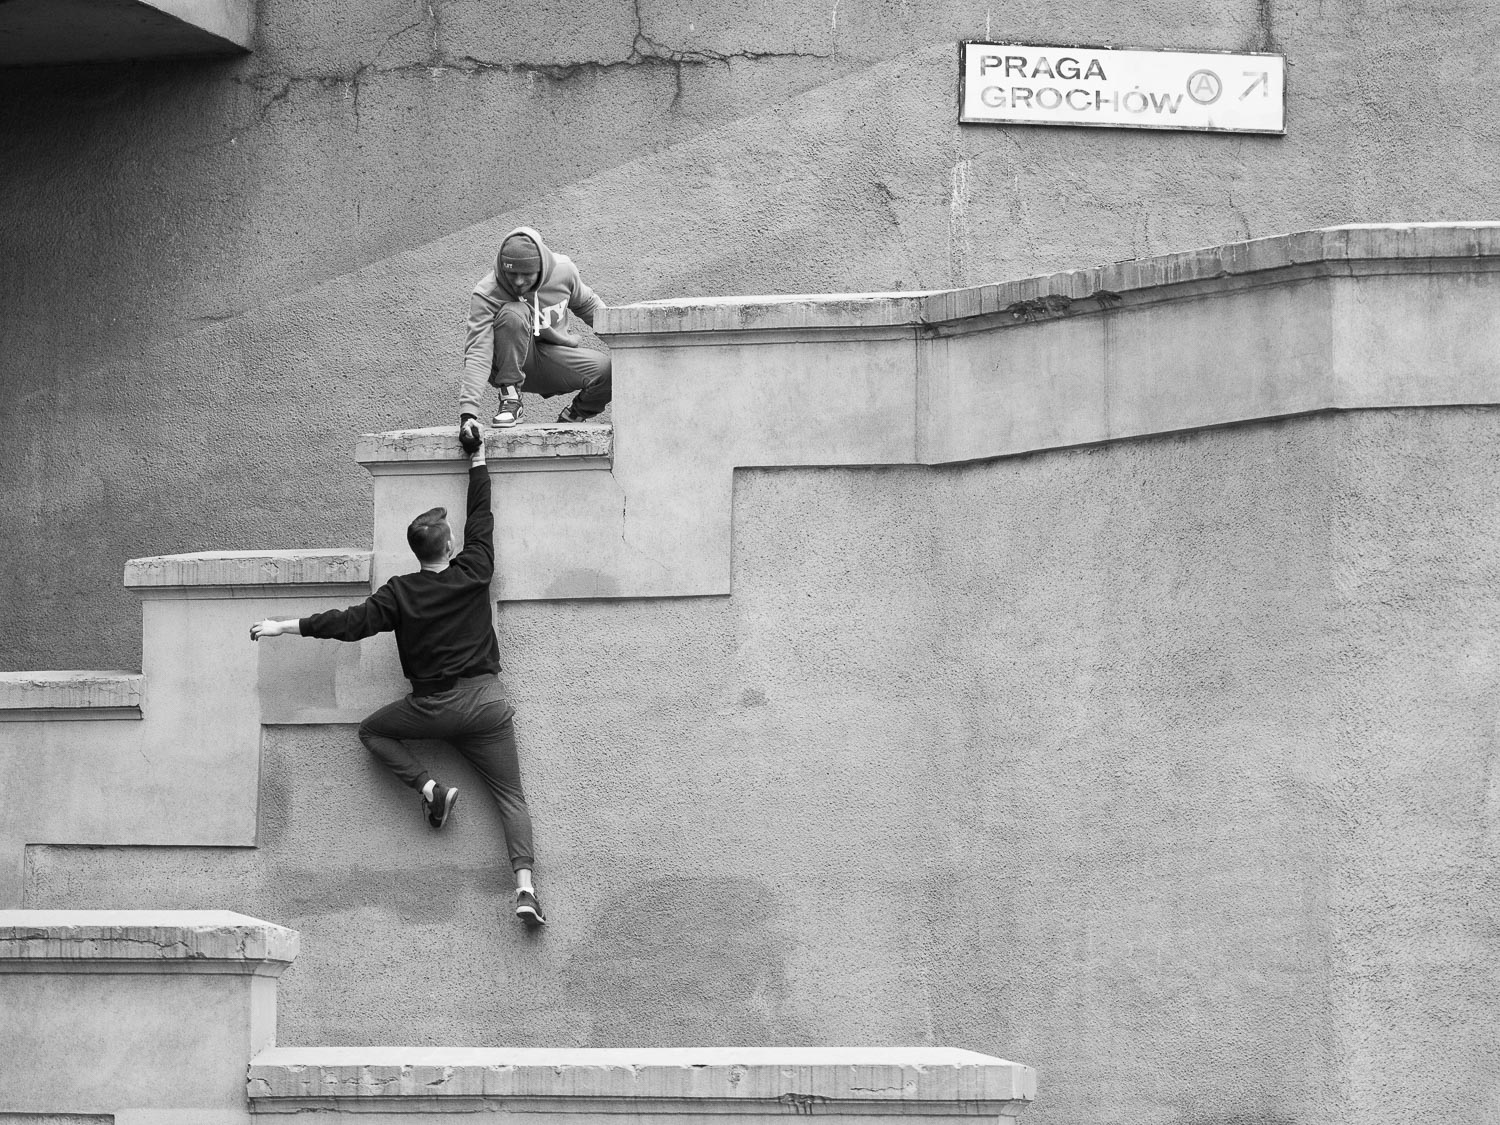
(441, 618)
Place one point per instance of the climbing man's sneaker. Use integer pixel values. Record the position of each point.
(529, 910)
(571, 415)
(510, 407)
(444, 797)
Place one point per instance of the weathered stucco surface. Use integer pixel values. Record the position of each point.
(1164, 766)
(196, 287)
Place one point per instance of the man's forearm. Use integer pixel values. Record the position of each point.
(471, 386)
(271, 627)
(479, 516)
(479, 355)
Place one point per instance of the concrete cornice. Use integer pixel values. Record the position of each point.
(528, 448)
(135, 941)
(52, 33)
(793, 1077)
(228, 574)
(1330, 250)
(26, 696)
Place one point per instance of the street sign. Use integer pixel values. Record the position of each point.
(1014, 84)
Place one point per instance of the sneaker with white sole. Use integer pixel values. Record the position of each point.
(529, 910)
(510, 407)
(444, 797)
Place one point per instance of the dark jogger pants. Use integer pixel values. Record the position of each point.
(475, 718)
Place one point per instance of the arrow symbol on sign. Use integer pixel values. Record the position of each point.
(1263, 78)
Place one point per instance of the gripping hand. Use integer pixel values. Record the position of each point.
(470, 436)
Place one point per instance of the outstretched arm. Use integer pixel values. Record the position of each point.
(376, 614)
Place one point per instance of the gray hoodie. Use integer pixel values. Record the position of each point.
(557, 291)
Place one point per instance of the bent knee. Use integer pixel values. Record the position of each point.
(600, 368)
(513, 314)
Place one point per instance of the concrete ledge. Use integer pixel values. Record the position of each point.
(751, 314)
(833, 1081)
(244, 574)
(30, 696)
(548, 447)
(135, 941)
(1333, 250)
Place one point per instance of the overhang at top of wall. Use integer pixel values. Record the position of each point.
(56, 32)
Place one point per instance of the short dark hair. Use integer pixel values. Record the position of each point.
(428, 534)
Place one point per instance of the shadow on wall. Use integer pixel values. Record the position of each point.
(682, 961)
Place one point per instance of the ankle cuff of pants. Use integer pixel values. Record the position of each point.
(522, 861)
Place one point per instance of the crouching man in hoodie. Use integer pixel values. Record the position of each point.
(518, 334)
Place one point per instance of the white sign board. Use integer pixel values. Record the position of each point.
(1012, 84)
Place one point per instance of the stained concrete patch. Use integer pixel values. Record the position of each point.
(583, 584)
(679, 961)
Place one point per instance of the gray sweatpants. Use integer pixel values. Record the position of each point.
(545, 368)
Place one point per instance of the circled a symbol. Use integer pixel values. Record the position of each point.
(1204, 87)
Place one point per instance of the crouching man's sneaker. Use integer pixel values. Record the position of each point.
(529, 910)
(439, 803)
(510, 407)
(571, 415)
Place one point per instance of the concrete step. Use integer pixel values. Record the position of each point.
(141, 1015)
(757, 1084)
(518, 449)
(51, 696)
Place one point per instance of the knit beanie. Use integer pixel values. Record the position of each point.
(518, 254)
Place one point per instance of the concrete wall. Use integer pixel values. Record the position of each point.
(1163, 766)
(202, 258)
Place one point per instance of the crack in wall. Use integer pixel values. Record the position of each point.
(644, 51)
(469, 65)
(1266, 36)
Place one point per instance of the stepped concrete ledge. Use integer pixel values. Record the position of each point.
(527, 448)
(54, 32)
(245, 574)
(192, 941)
(844, 1083)
(179, 765)
(28, 696)
(149, 1016)
(1332, 251)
